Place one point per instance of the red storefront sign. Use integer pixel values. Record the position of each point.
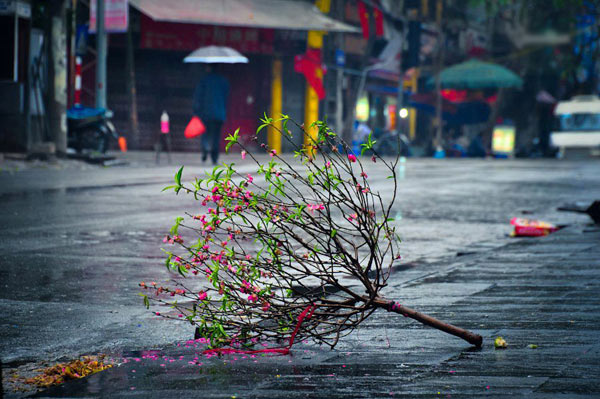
(177, 36)
(116, 16)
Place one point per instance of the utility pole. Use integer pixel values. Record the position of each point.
(134, 136)
(274, 132)
(339, 75)
(57, 75)
(438, 148)
(311, 99)
(101, 56)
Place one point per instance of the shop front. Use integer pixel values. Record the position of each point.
(166, 31)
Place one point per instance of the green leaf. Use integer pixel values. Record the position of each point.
(261, 127)
(221, 330)
(175, 227)
(333, 233)
(285, 128)
(146, 301)
(182, 270)
(178, 176)
(232, 139)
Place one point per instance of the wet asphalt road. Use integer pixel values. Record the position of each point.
(75, 241)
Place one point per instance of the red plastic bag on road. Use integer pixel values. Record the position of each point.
(194, 128)
(531, 228)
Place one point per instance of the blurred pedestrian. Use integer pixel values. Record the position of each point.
(164, 138)
(210, 105)
(476, 148)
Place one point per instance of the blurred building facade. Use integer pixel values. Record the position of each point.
(377, 54)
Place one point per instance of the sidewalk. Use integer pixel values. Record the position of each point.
(539, 291)
(17, 162)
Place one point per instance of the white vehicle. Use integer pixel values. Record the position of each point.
(579, 124)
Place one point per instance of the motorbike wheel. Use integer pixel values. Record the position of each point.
(92, 140)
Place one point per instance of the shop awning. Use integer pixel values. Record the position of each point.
(273, 14)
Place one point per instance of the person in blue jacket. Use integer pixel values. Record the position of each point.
(210, 105)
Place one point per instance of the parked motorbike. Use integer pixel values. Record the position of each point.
(90, 129)
(390, 143)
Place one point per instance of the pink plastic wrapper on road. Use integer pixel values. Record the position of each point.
(531, 228)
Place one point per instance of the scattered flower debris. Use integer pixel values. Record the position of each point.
(72, 370)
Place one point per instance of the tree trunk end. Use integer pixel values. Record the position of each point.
(391, 306)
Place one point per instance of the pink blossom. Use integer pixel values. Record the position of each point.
(315, 207)
(243, 154)
(373, 159)
(250, 178)
(328, 164)
(266, 306)
(202, 295)
(363, 174)
(252, 298)
(273, 153)
(352, 157)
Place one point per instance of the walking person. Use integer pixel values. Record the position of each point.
(210, 105)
